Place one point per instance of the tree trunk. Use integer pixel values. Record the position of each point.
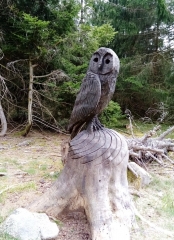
(30, 101)
(82, 12)
(3, 122)
(2, 118)
(94, 179)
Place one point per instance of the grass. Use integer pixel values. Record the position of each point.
(8, 161)
(15, 188)
(142, 128)
(7, 237)
(156, 202)
(22, 187)
(35, 167)
(1, 219)
(53, 176)
(157, 205)
(31, 171)
(168, 203)
(3, 197)
(139, 128)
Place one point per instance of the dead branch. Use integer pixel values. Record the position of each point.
(3, 93)
(148, 154)
(149, 148)
(54, 75)
(166, 157)
(167, 132)
(1, 54)
(142, 148)
(130, 117)
(150, 133)
(131, 153)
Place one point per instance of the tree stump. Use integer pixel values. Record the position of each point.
(94, 178)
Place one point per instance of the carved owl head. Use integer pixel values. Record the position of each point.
(104, 61)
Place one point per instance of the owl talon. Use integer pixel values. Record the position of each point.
(94, 125)
(98, 123)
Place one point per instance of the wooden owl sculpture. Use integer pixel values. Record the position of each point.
(96, 91)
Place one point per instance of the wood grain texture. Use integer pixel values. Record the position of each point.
(94, 179)
(100, 146)
(96, 90)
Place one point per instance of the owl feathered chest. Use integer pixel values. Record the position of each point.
(107, 90)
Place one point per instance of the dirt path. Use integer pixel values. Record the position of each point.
(30, 165)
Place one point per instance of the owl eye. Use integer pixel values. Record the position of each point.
(95, 59)
(107, 61)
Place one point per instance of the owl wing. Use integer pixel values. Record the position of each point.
(86, 100)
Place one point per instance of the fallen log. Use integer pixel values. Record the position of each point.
(149, 148)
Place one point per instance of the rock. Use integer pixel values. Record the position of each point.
(52, 174)
(25, 225)
(24, 143)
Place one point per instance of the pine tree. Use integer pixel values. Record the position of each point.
(142, 30)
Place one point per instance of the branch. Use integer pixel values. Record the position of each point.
(1, 52)
(163, 135)
(148, 149)
(148, 154)
(150, 133)
(3, 122)
(132, 170)
(134, 154)
(55, 74)
(170, 160)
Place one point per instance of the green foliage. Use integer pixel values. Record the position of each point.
(142, 29)
(136, 22)
(34, 28)
(111, 115)
(162, 11)
(80, 45)
(31, 34)
(35, 31)
(77, 49)
(48, 33)
(142, 82)
(103, 34)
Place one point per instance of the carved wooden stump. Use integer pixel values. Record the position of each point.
(95, 178)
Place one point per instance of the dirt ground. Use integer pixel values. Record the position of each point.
(28, 167)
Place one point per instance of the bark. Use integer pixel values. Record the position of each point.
(94, 179)
(82, 12)
(3, 122)
(167, 132)
(30, 101)
(2, 116)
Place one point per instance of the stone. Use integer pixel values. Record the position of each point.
(25, 225)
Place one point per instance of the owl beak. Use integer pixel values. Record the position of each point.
(100, 64)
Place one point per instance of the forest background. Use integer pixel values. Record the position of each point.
(46, 45)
